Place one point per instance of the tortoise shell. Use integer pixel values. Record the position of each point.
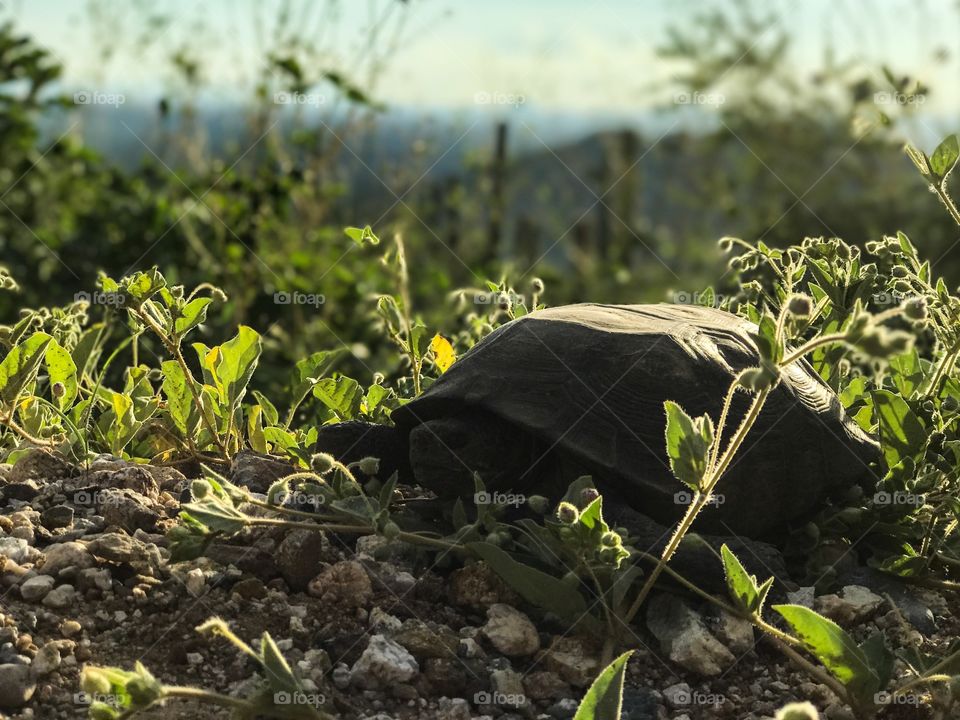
(589, 382)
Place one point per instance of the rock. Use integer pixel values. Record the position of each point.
(122, 548)
(685, 639)
(36, 588)
(641, 704)
(247, 558)
(196, 582)
(63, 555)
(345, 583)
(734, 632)
(258, 472)
(563, 709)
(126, 509)
(479, 587)
(444, 676)
(573, 661)
(250, 589)
(383, 663)
(95, 579)
(453, 709)
(46, 660)
(510, 631)
(23, 491)
(17, 549)
(16, 686)
(58, 516)
(545, 685)
(40, 466)
(381, 620)
(70, 628)
(852, 606)
(130, 477)
(301, 556)
(802, 596)
(507, 687)
(677, 695)
(425, 640)
(60, 598)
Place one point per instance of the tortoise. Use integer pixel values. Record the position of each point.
(580, 389)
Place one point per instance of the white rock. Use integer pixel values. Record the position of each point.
(802, 596)
(510, 631)
(196, 582)
(36, 588)
(384, 662)
(677, 695)
(17, 549)
(685, 639)
(382, 620)
(46, 660)
(64, 555)
(735, 632)
(194, 658)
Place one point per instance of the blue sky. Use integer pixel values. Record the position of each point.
(586, 56)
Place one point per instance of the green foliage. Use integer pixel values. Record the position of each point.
(689, 442)
(604, 698)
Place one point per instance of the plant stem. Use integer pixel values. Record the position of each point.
(700, 501)
(205, 696)
(947, 201)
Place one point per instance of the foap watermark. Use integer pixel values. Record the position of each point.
(299, 698)
(497, 97)
(514, 700)
(699, 98)
(685, 498)
(98, 498)
(888, 298)
(888, 698)
(685, 696)
(705, 299)
(100, 297)
(499, 298)
(900, 498)
(85, 698)
(298, 498)
(299, 298)
(299, 98)
(499, 498)
(93, 97)
(899, 98)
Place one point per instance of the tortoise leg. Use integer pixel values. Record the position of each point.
(353, 440)
(446, 452)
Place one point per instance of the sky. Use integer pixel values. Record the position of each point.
(587, 57)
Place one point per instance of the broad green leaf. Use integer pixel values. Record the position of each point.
(741, 585)
(239, 357)
(604, 699)
(191, 315)
(944, 158)
(688, 444)
(179, 398)
(901, 432)
(342, 395)
(906, 373)
(535, 586)
(418, 340)
(834, 648)
(63, 374)
(19, 368)
(217, 516)
(270, 414)
(255, 434)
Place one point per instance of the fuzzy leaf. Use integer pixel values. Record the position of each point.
(604, 699)
(688, 444)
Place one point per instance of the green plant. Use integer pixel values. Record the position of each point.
(117, 693)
